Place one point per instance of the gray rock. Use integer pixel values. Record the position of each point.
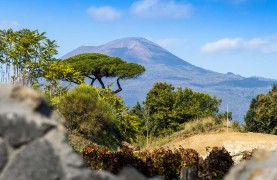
(262, 166)
(17, 129)
(127, 173)
(70, 161)
(130, 173)
(35, 161)
(23, 100)
(3, 154)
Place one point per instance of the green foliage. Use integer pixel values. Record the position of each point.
(99, 115)
(160, 100)
(216, 165)
(168, 108)
(192, 105)
(89, 116)
(236, 126)
(22, 54)
(142, 119)
(78, 142)
(53, 72)
(128, 123)
(97, 66)
(262, 114)
(220, 118)
(58, 70)
(137, 110)
(164, 162)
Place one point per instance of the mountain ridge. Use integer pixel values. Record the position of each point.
(161, 65)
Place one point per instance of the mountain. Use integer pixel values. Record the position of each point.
(163, 66)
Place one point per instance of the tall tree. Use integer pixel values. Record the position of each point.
(189, 105)
(168, 108)
(22, 53)
(160, 100)
(58, 70)
(96, 66)
(262, 114)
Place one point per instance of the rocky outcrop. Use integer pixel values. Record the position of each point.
(262, 166)
(33, 144)
(237, 149)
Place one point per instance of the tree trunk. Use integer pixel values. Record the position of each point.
(92, 81)
(101, 82)
(72, 81)
(118, 85)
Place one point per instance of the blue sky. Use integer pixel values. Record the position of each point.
(238, 36)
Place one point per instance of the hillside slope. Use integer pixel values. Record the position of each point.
(234, 142)
(163, 66)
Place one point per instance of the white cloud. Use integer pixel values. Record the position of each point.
(104, 13)
(161, 9)
(260, 44)
(8, 24)
(169, 42)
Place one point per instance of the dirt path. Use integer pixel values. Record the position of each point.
(234, 142)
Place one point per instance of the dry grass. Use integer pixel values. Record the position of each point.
(78, 142)
(199, 126)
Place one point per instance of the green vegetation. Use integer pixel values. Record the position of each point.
(199, 126)
(87, 115)
(262, 114)
(128, 123)
(23, 53)
(166, 109)
(96, 66)
(98, 115)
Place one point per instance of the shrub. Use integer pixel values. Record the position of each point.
(162, 161)
(236, 126)
(167, 163)
(168, 109)
(189, 157)
(88, 116)
(262, 114)
(200, 125)
(216, 165)
(127, 123)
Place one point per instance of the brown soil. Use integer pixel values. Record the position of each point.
(232, 141)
